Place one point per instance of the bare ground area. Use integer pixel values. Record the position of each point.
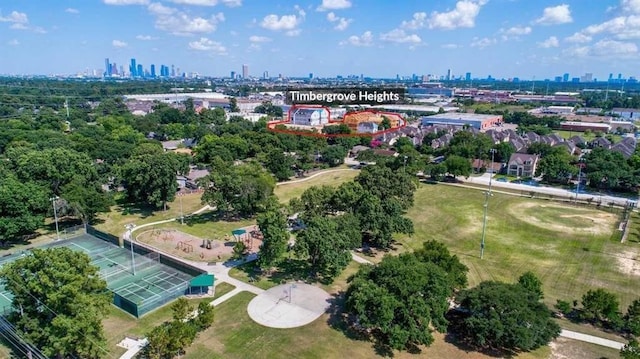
(578, 219)
(629, 262)
(564, 348)
(190, 247)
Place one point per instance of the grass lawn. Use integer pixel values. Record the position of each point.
(286, 191)
(235, 335)
(119, 324)
(587, 136)
(204, 225)
(569, 248)
(114, 221)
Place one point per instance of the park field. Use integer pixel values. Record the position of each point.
(571, 249)
(293, 189)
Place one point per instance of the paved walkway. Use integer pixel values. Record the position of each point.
(314, 175)
(591, 339)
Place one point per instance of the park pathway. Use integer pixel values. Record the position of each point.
(313, 175)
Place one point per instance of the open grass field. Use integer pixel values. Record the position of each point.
(114, 221)
(570, 248)
(119, 324)
(288, 190)
(587, 136)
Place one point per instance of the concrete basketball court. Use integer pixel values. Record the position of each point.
(289, 305)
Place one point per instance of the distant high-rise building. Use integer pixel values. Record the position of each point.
(467, 76)
(139, 71)
(265, 75)
(114, 69)
(173, 71)
(610, 77)
(587, 77)
(107, 68)
(310, 75)
(245, 71)
(558, 79)
(120, 70)
(133, 69)
(448, 78)
(233, 75)
(565, 78)
(153, 70)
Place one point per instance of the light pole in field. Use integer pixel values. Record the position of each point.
(181, 212)
(580, 164)
(128, 234)
(486, 205)
(53, 200)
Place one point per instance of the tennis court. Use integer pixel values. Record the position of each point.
(140, 282)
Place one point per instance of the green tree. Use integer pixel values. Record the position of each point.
(242, 190)
(279, 164)
(151, 179)
(273, 225)
(505, 316)
(22, 208)
(233, 105)
(504, 150)
(59, 302)
(631, 350)
(458, 166)
(399, 300)
(438, 254)
(381, 219)
(386, 184)
(632, 318)
(325, 247)
(334, 155)
(205, 316)
(385, 124)
(532, 284)
(600, 305)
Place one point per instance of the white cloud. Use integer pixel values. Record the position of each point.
(464, 15)
(555, 15)
(482, 43)
(622, 27)
(284, 22)
(549, 43)
(15, 17)
(19, 26)
(180, 23)
(399, 36)
(196, 2)
(294, 32)
(300, 11)
(578, 37)
(365, 39)
(450, 46)
(334, 5)
(146, 37)
(605, 49)
(259, 39)
(631, 6)
(517, 31)
(232, 3)
(417, 22)
(126, 2)
(118, 43)
(341, 22)
(205, 44)
(71, 10)
(13, 42)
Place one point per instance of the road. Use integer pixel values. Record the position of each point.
(604, 199)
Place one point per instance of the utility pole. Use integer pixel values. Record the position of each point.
(486, 206)
(580, 163)
(181, 212)
(53, 200)
(128, 233)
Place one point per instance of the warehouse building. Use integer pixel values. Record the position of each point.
(480, 122)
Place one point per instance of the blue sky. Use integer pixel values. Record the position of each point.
(378, 38)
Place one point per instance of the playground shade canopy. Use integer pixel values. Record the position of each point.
(203, 280)
(238, 232)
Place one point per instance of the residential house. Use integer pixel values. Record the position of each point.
(532, 137)
(578, 141)
(488, 166)
(627, 146)
(600, 142)
(522, 165)
(569, 146)
(357, 149)
(518, 143)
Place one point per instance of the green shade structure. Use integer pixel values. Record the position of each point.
(203, 280)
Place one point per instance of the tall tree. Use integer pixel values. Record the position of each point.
(505, 316)
(151, 179)
(59, 302)
(386, 184)
(631, 350)
(532, 284)
(399, 300)
(632, 317)
(242, 190)
(325, 247)
(599, 305)
(436, 253)
(22, 208)
(273, 225)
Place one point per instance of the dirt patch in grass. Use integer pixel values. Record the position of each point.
(564, 348)
(559, 218)
(629, 262)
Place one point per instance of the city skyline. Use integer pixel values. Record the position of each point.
(501, 38)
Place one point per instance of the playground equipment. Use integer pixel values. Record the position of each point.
(206, 243)
(186, 247)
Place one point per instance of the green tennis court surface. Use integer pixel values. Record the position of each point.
(139, 284)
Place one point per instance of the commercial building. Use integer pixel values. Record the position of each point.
(310, 117)
(480, 122)
(583, 126)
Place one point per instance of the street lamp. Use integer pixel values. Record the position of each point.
(580, 164)
(181, 212)
(486, 206)
(129, 228)
(55, 214)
